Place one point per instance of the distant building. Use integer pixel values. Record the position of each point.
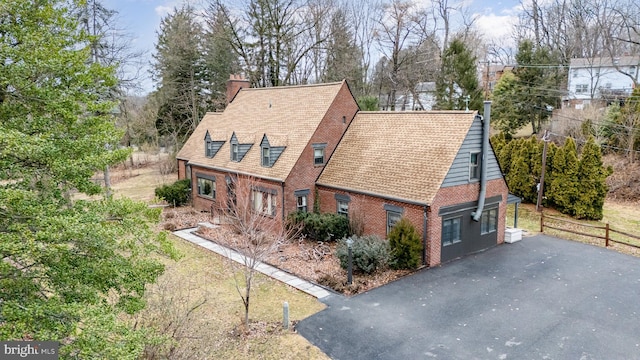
(490, 75)
(600, 81)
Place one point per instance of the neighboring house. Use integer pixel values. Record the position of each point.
(490, 75)
(425, 166)
(303, 141)
(422, 98)
(600, 81)
(280, 136)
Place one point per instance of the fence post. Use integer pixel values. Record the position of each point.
(542, 221)
(606, 236)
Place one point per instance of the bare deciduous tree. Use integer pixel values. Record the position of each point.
(252, 215)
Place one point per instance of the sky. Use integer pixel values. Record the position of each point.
(141, 19)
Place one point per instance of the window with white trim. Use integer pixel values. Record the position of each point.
(392, 219)
(451, 231)
(263, 202)
(489, 221)
(582, 89)
(301, 203)
(318, 154)
(343, 207)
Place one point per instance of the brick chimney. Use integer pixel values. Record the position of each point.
(234, 84)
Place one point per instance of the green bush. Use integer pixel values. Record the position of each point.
(405, 245)
(321, 227)
(369, 253)
(176, 194)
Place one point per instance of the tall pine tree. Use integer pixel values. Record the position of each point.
(458, 80)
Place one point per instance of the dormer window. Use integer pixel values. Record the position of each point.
(234, 152)
(239, 149)
(211, 146)
(266, 156)
(269, 152)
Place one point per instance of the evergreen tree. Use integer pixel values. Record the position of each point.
(179, 69)
(565, 185)
(505, 114)
(592, 178)
(536, 73)
(343, 55)
(458, 80)
(70, 269)
(519, 179)
(220, 60)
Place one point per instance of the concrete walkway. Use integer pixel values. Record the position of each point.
(273, 272)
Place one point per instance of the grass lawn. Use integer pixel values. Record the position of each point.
(195, 301)
(620, 216)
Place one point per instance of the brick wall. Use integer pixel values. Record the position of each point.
(457, 195)
(330, 130)
(371, 210)
(219, 203)
(181, 169)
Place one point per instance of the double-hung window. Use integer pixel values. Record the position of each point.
(301, 199)
(451, 231)
(263, 202)
(318, 154)
(474, 166)
(489, 221)
(235, 151)
(266, 156)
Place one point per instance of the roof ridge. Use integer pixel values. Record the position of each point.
(293, 86)
(375, 112)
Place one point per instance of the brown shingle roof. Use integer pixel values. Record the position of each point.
(403, 155)
(288, 115)
(189, 149)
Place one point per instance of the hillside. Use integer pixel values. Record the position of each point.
(624, 183)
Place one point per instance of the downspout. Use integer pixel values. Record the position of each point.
(485, 157)
(424, 237)
(283, 217)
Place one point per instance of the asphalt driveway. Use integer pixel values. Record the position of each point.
(540, 298)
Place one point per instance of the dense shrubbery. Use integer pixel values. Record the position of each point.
(321, 227)
(176, 194)
(369, 253)
(405, 245)
(573, 184)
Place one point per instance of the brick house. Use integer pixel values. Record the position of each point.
(425, 166)
(282, 137)
(300, 141)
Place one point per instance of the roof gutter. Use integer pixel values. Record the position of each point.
(485, 157)
(406, 201)
(236, 172)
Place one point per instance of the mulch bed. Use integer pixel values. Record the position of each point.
(310, 260)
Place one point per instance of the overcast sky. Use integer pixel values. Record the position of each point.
(141, 18)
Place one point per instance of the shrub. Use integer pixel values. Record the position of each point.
(321, 227)
(369, 253)
(176, 194)
(405, 245)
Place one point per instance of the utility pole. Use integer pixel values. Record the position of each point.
(545, 138)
